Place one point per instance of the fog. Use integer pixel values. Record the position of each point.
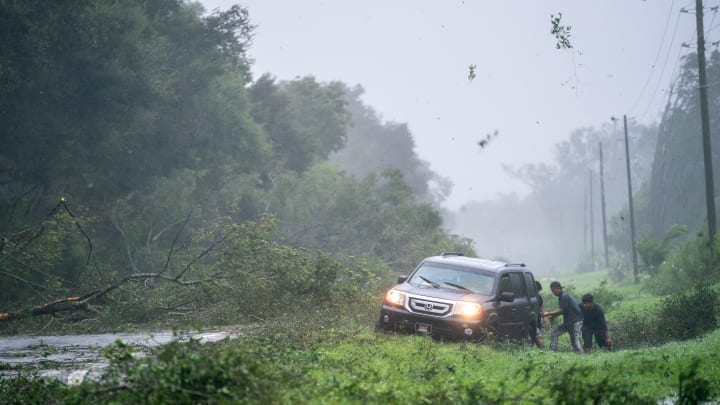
(527, 95)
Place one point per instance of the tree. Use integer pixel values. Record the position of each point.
(676, 192)
(374, 146)
(99, 98)
(305, 120)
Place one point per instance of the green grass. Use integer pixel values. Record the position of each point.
(353, 365)
(411, 369)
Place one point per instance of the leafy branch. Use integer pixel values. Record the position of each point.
(561, 32)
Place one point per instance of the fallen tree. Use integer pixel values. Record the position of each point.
(84, 303)
(224, 272)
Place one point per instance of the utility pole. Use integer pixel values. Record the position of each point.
(707, 154)
(630, 204)
(592, 227)
(602, 205)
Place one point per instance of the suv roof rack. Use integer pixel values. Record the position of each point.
(515, 265)
(443, 254)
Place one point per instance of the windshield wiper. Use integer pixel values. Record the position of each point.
(432, 283)
(459, 286)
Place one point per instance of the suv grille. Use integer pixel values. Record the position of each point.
(430, 307)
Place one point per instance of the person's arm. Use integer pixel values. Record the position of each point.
(562, 303)
(608, 340)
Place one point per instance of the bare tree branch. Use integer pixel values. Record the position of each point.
(91, 253)
(206, 251)
(42, 226)
(177, 236)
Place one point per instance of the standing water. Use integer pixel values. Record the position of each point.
(75, 358)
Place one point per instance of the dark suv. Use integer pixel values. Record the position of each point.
(461, 297)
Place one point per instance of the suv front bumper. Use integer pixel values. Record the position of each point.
(398, 319)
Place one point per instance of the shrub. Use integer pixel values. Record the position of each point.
(691, 265)
(634, 330)
(692, 388)
(573, 387)
(654, 252)
(186, 372)
(685, 316)
(31, 390)
(678, 317)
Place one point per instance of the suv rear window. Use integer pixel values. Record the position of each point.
(435, 275)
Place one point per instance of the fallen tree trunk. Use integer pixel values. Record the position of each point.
(52, 308)
(82, 303)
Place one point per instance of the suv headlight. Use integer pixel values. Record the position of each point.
(467, 308)
(394, 297)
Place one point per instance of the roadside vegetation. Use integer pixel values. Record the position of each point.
(666, 348)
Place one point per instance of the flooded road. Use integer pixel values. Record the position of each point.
(75, 358)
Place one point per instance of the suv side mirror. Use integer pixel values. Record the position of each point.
(402, 278)
(507, 296)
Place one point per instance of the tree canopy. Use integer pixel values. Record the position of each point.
(135, 139)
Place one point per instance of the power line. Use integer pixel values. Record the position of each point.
(688, 44)
(657, 55)
(678, 59)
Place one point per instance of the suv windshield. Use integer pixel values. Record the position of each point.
(434, 275)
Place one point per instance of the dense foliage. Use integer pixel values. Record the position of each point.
(136, 142)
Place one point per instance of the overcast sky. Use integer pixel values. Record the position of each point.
(412, 57)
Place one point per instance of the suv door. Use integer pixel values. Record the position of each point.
(513, 316)
(532, 294)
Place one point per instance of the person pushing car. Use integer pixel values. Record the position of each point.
(572, 318)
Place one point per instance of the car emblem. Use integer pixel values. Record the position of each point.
(428, 306)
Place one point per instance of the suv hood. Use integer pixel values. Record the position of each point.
(449, 293)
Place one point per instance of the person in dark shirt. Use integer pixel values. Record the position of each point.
(572, 318)
(594, 325)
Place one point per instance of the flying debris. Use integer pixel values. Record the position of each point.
(484, 142)
(561, 32)
(471, 72)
